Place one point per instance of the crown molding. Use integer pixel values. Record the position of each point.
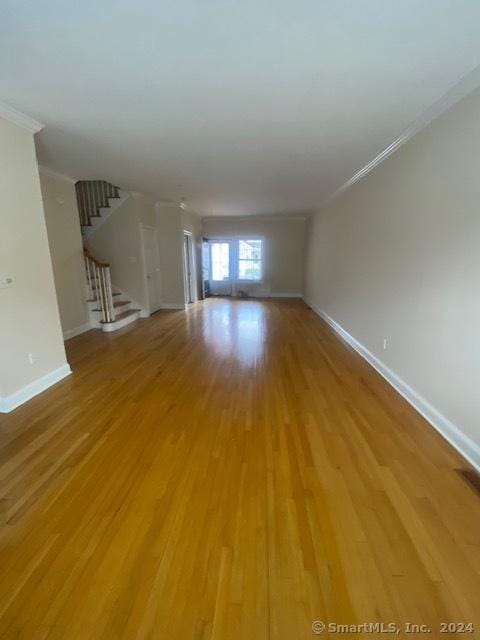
(20, 119)
(190, 211)
(460, 90)
(54, 174)
(159, 204)
(266, 218)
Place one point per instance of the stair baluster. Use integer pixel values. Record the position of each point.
(100, 285)
(93, 195)
(90, 278)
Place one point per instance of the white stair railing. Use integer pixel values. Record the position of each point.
(100, 285)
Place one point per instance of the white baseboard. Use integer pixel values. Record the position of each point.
(76, 331)
(168, 305)
(467, 447)
(8, 403)
(286, 295)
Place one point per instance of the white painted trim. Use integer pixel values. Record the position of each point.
(20, 119)
(8, 403)
(168, 305)
(466, 85)
(286, 295)
(467, 447)
(54, 174)
(193, 272)
(76, 331)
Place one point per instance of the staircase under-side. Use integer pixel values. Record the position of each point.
(109, 308)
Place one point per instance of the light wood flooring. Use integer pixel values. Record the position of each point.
(230, 472)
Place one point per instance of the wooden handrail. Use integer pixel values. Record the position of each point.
(96, 262)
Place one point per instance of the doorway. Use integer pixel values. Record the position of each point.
(151, 257)
(220, 254)
(189, 268)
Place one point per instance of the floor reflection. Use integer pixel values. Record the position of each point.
(235, 329)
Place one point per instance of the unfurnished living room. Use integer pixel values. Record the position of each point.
(240, 316)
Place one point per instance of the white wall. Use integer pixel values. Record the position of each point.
(29, 317)
(284, 246)
(66, 250)
(145, 210)
(397, 256)
(170, 235)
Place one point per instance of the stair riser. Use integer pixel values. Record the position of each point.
(96, 314)
(93, 305)
(113, 326)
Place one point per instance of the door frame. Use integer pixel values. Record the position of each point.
(158, 269)
(189, 268)
(231, 280)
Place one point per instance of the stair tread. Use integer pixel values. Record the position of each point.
(123, 315)
(117, 303)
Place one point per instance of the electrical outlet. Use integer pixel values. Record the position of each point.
(385, 344)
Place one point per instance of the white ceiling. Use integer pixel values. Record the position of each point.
(241, 106)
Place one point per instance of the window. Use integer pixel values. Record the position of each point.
(249, 259)
(235, 259)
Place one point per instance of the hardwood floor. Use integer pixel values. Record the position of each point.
(232, 472)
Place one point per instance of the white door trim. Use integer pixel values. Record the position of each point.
(159, 275)
(193, 268)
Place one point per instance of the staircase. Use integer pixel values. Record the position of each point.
(109, 308)
(93, 195)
